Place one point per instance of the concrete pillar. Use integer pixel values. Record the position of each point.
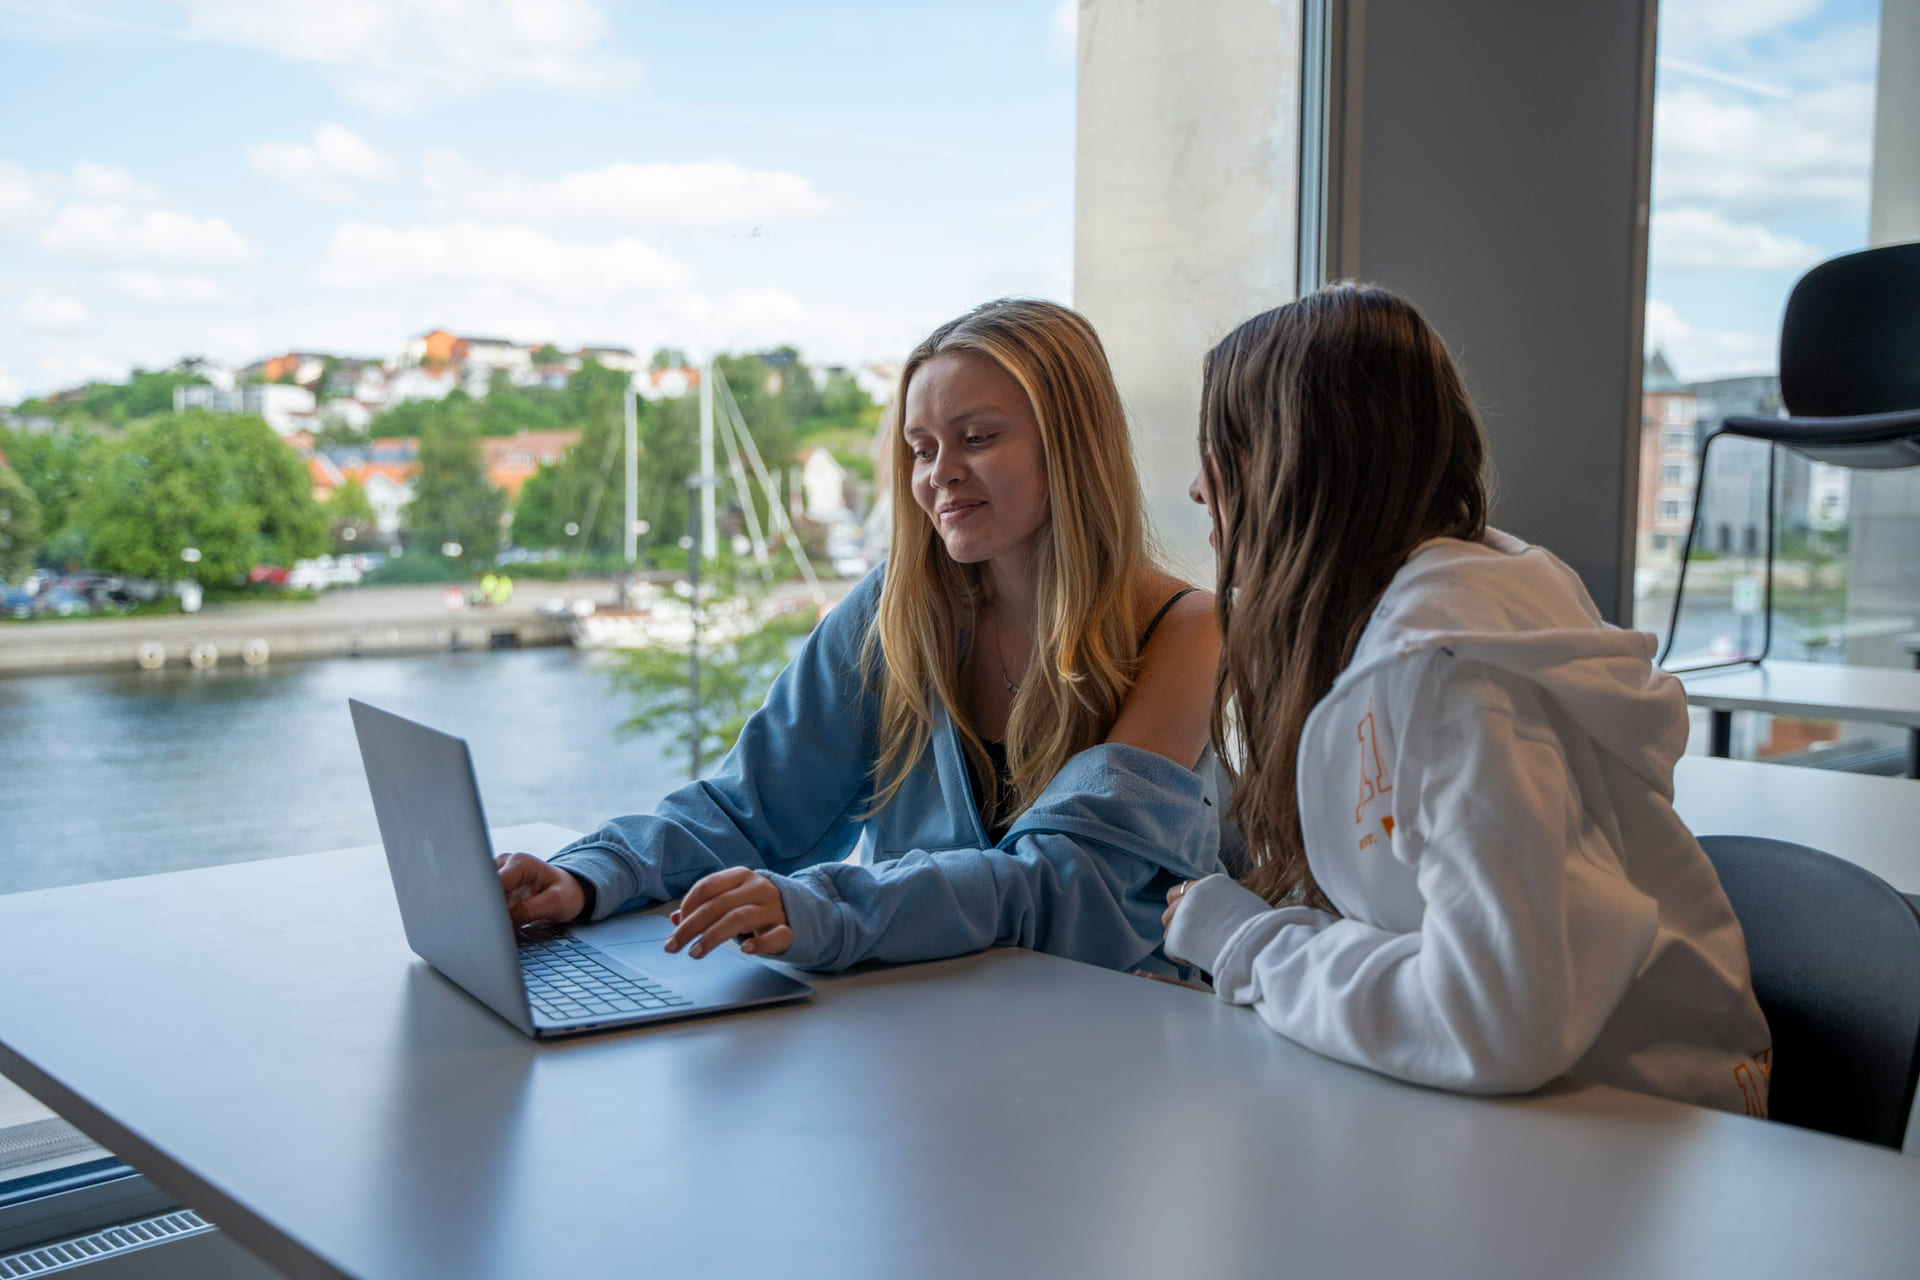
(1184, 211)
(1883, 512)
(1895, 209)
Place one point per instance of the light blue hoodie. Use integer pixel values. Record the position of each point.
(1082, 873)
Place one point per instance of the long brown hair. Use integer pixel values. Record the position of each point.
(1090, 556)
(1338, 436)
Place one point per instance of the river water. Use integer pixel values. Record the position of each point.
(128, 773)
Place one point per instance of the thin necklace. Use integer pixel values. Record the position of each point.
(999, 657)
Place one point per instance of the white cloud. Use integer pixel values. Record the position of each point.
(1708, 26)
(22, 198)
(44, 310)
(1812, 153)
(701, 193)
(402, 55)
(104, 182)
(498, 259)
(113, 232)
(328, 168)
(1693, 238)
(11, 388)
(1699, 354)
(1063, 34)
(165, 291)
(71, 367)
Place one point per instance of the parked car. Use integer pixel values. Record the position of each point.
(323, 571)
(273, 575)
(60, 602)
(15, 603)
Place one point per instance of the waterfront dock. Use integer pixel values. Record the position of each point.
(345, 622)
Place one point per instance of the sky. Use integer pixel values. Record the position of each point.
(1762, 162)
(237, 178)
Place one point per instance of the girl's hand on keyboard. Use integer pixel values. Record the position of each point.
(538, 893)
(735, 903)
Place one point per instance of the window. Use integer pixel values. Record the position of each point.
(1765, 162)
(1673, 475)
(1679, 409)
(1672, 510)
(1675, 440)
(468, 294)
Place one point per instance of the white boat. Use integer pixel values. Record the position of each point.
(662, 620)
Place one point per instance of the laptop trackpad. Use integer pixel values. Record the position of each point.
(637, 940)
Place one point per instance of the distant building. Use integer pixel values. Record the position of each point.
(1669, 454)
(216, 374)
(422, 382)
(666, 384)
(621, 358)
(280, 405)
(822, 491)
(512, 460)
(386, 470)
(301, 367)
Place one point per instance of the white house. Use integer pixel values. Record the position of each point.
(621, 358)
(666, 384)
(823, 487)
(421, 383)
(347, 413)
(386, 495)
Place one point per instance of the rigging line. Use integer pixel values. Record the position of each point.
(614, 438)
(743, 490)
(778, 512)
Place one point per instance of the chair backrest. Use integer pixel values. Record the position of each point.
(1850, 340)
(1836, 967)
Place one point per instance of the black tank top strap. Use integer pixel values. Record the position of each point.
(1172, 600)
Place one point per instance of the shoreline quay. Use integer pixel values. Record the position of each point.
(352, 622)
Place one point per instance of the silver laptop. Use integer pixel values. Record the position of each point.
(548, 982)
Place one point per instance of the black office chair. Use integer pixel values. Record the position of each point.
(1836, 967)
(1850, 380)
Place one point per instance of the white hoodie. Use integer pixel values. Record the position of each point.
(1486, 797)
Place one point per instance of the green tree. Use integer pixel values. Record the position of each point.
(56, 466)
(547, 353)
(350, 517)
(223, 485)
(668, 358)
(734, 679)
(453, 501)
(20, 527)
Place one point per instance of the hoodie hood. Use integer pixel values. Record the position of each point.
(1517, 607)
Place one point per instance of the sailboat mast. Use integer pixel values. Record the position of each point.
(709, 526)
(631, 542)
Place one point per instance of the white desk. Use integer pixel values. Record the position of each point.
(1822, 690)
(1872, 821)
(258, 1040)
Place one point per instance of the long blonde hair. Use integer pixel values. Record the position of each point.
(1337, 436)
(1089, 558)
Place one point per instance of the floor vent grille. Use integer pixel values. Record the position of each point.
(48, 1259)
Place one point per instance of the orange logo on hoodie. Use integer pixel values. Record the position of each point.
(1373, 773)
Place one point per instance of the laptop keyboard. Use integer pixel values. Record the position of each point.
(567, 983)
